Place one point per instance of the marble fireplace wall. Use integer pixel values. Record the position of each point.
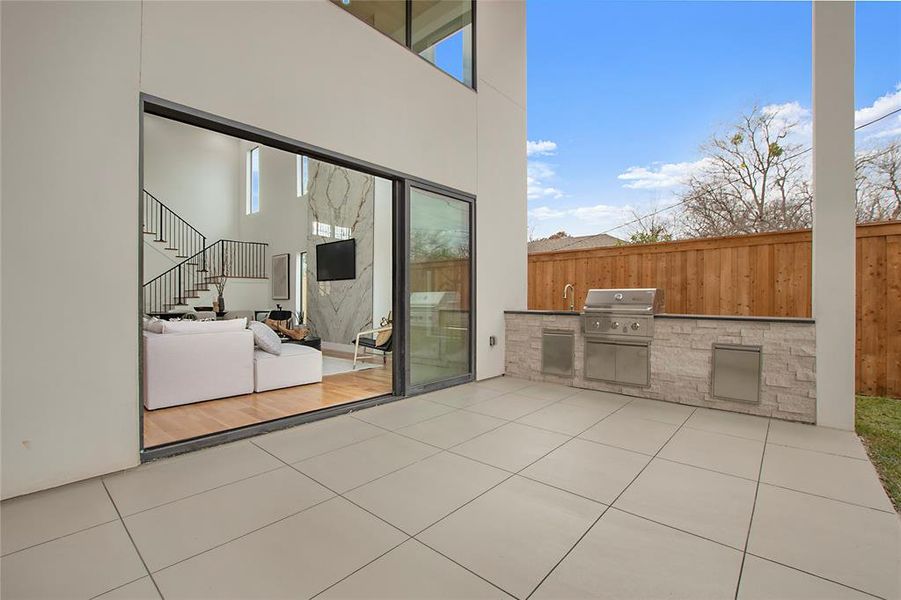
(338, 310)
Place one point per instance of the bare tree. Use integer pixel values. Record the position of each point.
(649, 229)
(878, 183)
(751, 181)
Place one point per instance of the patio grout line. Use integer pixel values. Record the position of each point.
(590, 527)
(191, 495)
(826, 452)
(133, 543)
(744, 552)
(119, 587)
(60, 537)
(839, 583)
(357, 570)
(782, 487)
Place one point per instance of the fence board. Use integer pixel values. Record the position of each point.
(766, 274)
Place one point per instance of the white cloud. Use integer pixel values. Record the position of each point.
(540, 148)
(660, 176)
(794, 115)
(886, 128)
(538, 181)
(544, 213)
(882, 106)
(582, 220)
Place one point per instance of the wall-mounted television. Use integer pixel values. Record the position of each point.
(336, 260)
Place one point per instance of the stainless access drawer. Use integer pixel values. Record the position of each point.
(618, 362)
(736, 372)
(557, 352)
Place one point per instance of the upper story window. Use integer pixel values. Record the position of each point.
(440, 31)
(303, 175)
(253, 181)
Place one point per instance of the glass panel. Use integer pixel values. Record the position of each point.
(440, 264)
(388, 16)
(253, 181)
(442, 34)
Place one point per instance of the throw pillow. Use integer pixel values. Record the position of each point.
(154, 325)
(265, 339)
(382, 338)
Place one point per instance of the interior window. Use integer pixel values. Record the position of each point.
(253, 181)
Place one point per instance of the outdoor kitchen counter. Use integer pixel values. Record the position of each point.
(681, 353)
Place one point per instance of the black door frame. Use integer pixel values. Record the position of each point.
(401, 185)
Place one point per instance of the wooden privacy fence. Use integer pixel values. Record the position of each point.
(767, 274)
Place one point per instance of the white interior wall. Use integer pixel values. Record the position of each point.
(281, 221)
(71, 77)
(194, 172)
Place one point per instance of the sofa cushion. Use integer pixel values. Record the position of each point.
(204, 326)
(297, 365)
(265, 339)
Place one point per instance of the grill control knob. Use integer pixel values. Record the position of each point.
(635, 326)
(614, 325)
(597, 324)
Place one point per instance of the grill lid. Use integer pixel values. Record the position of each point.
(630, 300)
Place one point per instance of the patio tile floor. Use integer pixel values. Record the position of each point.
(496, 489)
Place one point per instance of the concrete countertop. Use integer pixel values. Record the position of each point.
(568, 313)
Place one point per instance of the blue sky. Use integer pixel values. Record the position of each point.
(633, 88)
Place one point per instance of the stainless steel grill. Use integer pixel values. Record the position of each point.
(621, 313)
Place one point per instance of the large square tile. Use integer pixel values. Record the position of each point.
(511, 447)
(812, 437)
(765, 580)
(628, 557)
(592, 470)
(711, 505)
(158, 482)
(311, 439)
(346, 468)
(729, 423)
(142, 589)
(724, 453)
(853, 545)
(452, 428)
(547, 391)
(35, 518)
(509, 406)
(831, 475)
(81, 565)
(461, 396)
(504, 383)
(417, 496)
(401, 413)
(293, 558)
(415, 572)
(598, 398)
(638, 435)
(514, 534)
(180, 529)
(665, 412)
(571, 419)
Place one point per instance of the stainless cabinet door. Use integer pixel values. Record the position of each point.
(632, 364)
(557, 352)
(600, 361)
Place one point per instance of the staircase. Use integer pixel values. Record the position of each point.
(201, 265)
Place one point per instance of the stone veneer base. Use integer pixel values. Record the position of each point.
(681, 359)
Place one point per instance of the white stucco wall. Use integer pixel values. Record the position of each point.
(71, 77)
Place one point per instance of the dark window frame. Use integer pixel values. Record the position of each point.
(401, 185)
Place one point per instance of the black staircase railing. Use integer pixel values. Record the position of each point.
(184, 281)
(168, 228)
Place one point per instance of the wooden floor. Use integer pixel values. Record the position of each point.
(167, 425)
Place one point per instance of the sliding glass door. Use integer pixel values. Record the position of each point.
(440, 255)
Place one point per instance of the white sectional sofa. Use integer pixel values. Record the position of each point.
(195, 361)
